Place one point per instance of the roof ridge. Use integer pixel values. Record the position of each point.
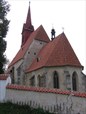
(65, 56)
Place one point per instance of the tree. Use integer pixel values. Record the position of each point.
(4, 9)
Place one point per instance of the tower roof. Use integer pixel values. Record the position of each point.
(27, 27)
(56, 53)
(28, 19)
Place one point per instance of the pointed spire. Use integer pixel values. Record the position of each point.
(28, 20)
(27, 27)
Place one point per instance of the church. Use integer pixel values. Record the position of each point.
(45, 62)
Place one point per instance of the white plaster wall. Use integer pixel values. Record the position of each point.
(3, 84)
(48, 99)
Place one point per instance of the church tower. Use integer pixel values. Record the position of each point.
(27, 27)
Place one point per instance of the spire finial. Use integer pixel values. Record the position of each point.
(29, 3)
(62, 29)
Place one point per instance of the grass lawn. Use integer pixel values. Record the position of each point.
(9, 108)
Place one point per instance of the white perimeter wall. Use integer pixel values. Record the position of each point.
(3, 84)
(77, 105)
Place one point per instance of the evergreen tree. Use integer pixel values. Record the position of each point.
(4, 8)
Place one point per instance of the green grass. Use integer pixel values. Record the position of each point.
(9, 108)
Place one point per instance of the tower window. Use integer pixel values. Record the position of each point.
(56, 80)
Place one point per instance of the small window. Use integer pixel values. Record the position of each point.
(40, 42)
(38, 59)
(34, 53)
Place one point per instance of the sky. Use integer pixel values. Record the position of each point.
(67, 14)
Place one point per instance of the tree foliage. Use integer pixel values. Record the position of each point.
(4, 22)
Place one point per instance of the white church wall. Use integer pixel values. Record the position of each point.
(48, 98)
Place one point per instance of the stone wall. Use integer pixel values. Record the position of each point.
(53, 99)
(30, 55)
(49, 73)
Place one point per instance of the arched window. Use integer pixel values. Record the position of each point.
(12, 75)
(32, 81)
(42, 81)
(56, 80)
(74, 81)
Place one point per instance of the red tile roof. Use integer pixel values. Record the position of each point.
(56, 53)
(47, 90)
(38, 34)
(3, 76)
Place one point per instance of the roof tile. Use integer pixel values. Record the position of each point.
(47, 90)
(56, 53)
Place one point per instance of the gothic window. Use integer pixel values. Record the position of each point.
(42, 81)
(68, 83)
(12, 75)
(18, 74)
(18, 81)
(19, 71)
(56, 80)
(32, 81)
(67, 80)
(74, 81)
